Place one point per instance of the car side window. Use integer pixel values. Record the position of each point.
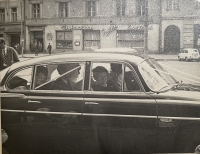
(131, 82)
(62, 76)
(21, 80)
(112, 77)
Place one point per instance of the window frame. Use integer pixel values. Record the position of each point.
(37, 8)
(172, 5)
(63, 6)
(52, 80)
(141, 7)
(121, 7)
(2, 15)
(64, 40)
(13, 14)
(91, 9)
(14, 73)
(98, 41)
(124, 64)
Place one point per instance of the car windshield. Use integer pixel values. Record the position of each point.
(156, 78)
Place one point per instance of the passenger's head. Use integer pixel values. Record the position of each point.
(2, 43)
(100, 74)
(63, 68)
(41, 75)
(116, 68)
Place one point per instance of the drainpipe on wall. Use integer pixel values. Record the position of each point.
(160, 28)
(21, 40)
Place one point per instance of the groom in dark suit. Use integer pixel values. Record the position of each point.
(8, 55)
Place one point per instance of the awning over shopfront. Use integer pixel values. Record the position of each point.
(36, 28)
(13, 30)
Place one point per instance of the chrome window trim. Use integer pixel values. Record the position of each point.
(15, 72)
(56, 98)
(105, 115)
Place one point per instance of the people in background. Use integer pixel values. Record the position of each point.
(8, 55)
(49, 48)
(100, 74)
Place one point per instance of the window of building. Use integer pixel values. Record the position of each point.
(121, 6)
(141, 7)
(64, 40)
(36, 10)
(91, 8)
(91, 39)
(13, 14)
(172, 5)
(2, 15)
(130, 38)
(63, 9)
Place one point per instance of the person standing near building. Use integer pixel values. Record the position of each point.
(8, 55)
(37, 49)
(49, 48)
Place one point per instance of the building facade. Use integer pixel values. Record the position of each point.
(180, 25)
(90, 24)
(11, 19)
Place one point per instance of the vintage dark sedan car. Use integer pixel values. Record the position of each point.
(93, 102)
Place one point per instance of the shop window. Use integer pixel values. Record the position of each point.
(91, 40)
(141, 7)
(121, 6)
(172, 5)
(13, 14)
(64, 40)
(36, 10)
(63, 9)
(2, 15)
(91, 8)
(130, 39)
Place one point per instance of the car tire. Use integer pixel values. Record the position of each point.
(186, 59)
(179, 58)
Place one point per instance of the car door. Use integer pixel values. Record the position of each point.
(119, 121)
(13, 101)
(53, 115)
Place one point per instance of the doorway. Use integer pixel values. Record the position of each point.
(172, 40)
(15, 39)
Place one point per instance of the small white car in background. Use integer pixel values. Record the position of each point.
(188, 54)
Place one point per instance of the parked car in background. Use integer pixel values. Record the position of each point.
(96, 102)
(188, 54)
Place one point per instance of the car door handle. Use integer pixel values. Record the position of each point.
(30, 101)
(91, 103)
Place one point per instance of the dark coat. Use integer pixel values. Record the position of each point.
(12, 57)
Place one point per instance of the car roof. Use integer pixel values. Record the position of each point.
(116, 50)
(82, 56)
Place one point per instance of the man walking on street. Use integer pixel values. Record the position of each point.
(49, 48)
(8, 55)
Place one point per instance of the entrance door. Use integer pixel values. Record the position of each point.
(172, 40)
(15, 39)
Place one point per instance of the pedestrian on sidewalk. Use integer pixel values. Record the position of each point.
(8, 55)
(37, 49)
(49, 48)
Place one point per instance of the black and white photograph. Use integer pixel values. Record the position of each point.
(100, 76)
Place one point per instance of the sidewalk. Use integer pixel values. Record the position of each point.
(158, 57)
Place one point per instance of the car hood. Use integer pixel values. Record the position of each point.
(176, 95)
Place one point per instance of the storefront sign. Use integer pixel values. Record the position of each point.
(76, 27)
(109, 30)
(135, 27)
